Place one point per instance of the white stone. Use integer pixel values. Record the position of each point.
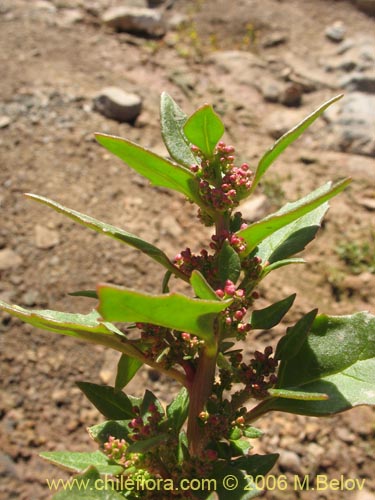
(117, 104)
(9, 259)
(135, 20)
(45, 238)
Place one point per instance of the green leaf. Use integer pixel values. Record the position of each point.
(177, 411)
(169, 310)
(109, 230)
(201, 287)
(281, 263)
(336, 358)
(256, 465)
(148, 399)
(112, 404)
(289, 346)
(157, 169)
(299, 395)
(281, 144)
(229, 263)
(294, 237)
(126, 369)
(204, 129)
(172, 120)
(83, 326)
(264, 319)
(79, 461)
(240, 446)
(257, 232)
(252, 432)
(146, 445)
(233, 483)
(85, 487)
(117, 428)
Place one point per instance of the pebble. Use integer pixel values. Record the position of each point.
(117, 104)
(5, 121)
(336, 32)
(364, 494)
(361, 82)
(274, 39)
(46, 238)
(30, 298)
(291, 95)
(290, 461)
(368, 203)
(271, 90)
(254, 208)
(137, 20)
(9, 259)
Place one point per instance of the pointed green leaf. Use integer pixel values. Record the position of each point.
(172, 120)
(111, 403)
(109, 230)
(177, 411)
(83, 326)
(146, 445)
(257, 232)
(169, 310)
(280, 263)
(201, 287)
(239, 447)
(252, 433)
(229, 263)
(118, 428)
(294, 237)
(85, 487)
(257, 465)
(204, 129)
(289, 345)
(233, 482)
(264, 319)
(148, 399)
(299, 395)
(336, 358)
(157, 169)
(126, 369)
(79, 461)
(281, 144)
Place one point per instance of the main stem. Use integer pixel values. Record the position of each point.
(201, 388)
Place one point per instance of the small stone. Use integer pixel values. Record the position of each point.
(290, 461)
(336, 32)
(271, 90)
(30, 298)
(368, 203)
(135, 20)
(254, 208)
(70, 17)
(9, 259)
(291, 95)
(45, 238)
(359, 82)
(345, 435)
(5, 121)
(274, 39)
(106, 376)
(60, 396)
(117, 104)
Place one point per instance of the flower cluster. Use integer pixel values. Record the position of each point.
(259, 375)
(234, 314)
(235, 241)
(115, 449)
(142, 430)
(222, 185)
(187, 262)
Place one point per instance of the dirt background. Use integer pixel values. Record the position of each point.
(55, 57)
